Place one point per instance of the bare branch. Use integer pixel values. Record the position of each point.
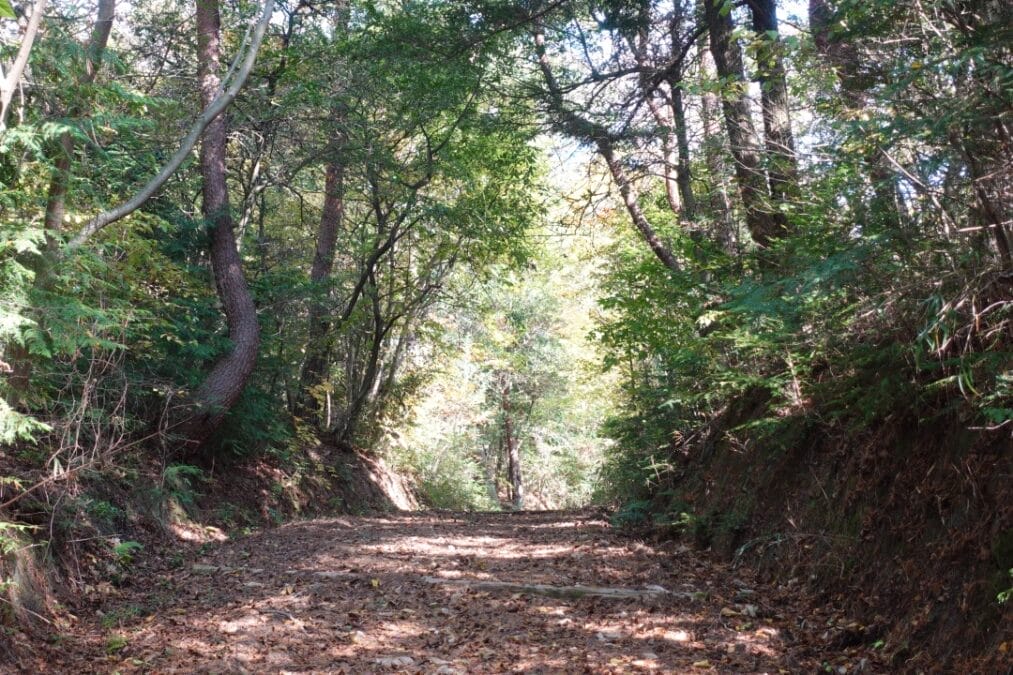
(215, 108)
(10, 83)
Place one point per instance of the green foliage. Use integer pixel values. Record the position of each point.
(103, 511)
(121, 615)
(126, 550)
(449, 480)
(180, 482)
(1004, 596)
(514, 359)
(12, 536)
(632, 514)
(116, 643)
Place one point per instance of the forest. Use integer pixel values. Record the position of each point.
(722, 288)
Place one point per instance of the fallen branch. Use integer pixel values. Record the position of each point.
(564, 592)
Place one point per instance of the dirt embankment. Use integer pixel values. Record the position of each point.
(905, 523)
(69, 544)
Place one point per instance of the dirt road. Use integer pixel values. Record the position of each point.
(556, 592)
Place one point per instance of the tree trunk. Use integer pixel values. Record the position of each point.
(639, 43)
(683, 176)
(318, 340)
(56, 200)
(345, 433)
(640, 221)
(21, 361)
(224, 384)
(782, 163)
(714, 157)
(513, 451)
(12, 76)
(745, 146)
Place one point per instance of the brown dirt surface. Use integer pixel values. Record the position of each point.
(350, 595)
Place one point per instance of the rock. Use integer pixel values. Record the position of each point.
(609, 634)
(676, 636)
(395, 661)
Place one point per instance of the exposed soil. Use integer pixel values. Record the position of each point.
(363, 594)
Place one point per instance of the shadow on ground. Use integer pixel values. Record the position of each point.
(356, 594)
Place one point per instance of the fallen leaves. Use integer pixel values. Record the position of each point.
(424, 593)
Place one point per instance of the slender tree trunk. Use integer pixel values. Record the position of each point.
(782, 164)
(638, 41)
(57, 194)
(714, 157)
(513, 451)
(12, 76)
(318, 341)
(683, 176)
(352, 416)
(224, 384)
(636, 214)
(319, 338)
(670, 159)
(677, 102)
(988, 210)
(745, 146)
(56, 200)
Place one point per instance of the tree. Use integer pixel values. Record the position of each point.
(603, 141)
(782, 163)
(744, 143)
(223, 385)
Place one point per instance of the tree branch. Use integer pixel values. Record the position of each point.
(215, 108)
(10, 82)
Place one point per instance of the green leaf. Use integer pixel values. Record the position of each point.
(7, 10)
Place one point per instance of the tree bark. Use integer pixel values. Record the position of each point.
(345, 433)
(224, 384)
(319, 339)
(714, 153)
(317, 344)
(212, 110)
(513, 452)
(745, 146)
(782, 162)
(683, 175)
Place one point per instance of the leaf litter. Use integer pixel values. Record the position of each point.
(448, 593)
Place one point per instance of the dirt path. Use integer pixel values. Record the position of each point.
(351, 595)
